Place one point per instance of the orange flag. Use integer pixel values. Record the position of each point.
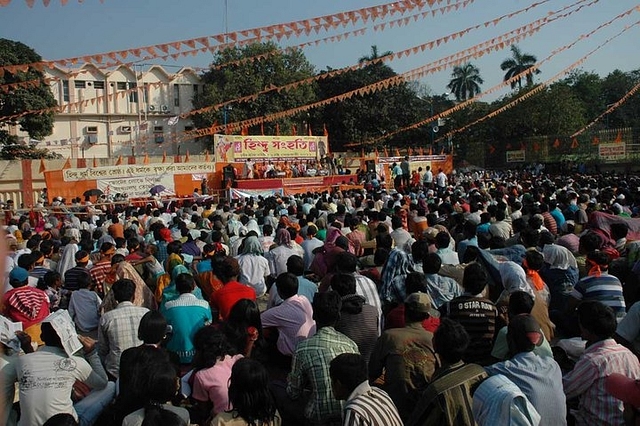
(186, 157)
(43, 168)
(164, 157)
(619, 137)
(309, 130)
(574, 143)
(119, 161)
(410, 151)
(146, 159)
(324, 130)
(492, 149)
(397, 152)
(277, 129)
(262, 128)
(430, 150)
(556, 143)
(442, 151)
(95, 162)
(244, 131)
(206, 156)
(421, 151)
(386, 153)
(376, 152)
(67, 164)
(595, 141)
(294, 130)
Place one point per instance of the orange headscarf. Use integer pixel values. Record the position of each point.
(536, 279)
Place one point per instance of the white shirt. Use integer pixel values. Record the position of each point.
(441, 179)
(253, 270)
(428, 177)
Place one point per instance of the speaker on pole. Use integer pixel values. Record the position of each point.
(371, 166)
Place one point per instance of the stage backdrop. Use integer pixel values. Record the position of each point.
(436, 162)
(135, 180)
(237, 148)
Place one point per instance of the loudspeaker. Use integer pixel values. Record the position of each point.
(228, 175)
(371, 166)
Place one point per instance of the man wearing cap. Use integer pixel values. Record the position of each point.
(601, 358)
(539, 378)
(101, 268)
(25, 304)
(406, 355)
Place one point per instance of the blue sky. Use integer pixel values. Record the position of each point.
(92, 27)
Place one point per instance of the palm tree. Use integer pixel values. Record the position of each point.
(374, 55)
(465, 81)
(516, 64)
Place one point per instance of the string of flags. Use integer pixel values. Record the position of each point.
(532, 92)
(277, 31)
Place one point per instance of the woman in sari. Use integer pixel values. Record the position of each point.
(324, 259)
(120, 269)
(67, 257)
(254, 268)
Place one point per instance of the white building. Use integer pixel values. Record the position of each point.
(121, 111)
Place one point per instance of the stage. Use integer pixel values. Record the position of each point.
(290, 186)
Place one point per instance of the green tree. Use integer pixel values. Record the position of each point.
(465, 81)
(19, 100)
(227, 79)
(373, 55)
(518, 63)
(361, 119)
(614, 86)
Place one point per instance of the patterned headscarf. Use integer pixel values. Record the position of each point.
(283, 238)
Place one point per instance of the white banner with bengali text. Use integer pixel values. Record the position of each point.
(135, 170)
(246, 193)
(137, 187)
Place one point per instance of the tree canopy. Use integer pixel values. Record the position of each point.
(518, 63)
(465, 81)
(233, 74)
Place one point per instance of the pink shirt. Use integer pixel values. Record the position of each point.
(294, 321)
(212, 384)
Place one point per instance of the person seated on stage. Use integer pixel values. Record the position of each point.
(295, 171)
(270, 171)
(288, 173)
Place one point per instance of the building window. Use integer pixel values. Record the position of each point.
(98, 84)
(195, 89)
(188, 128)
(121, 85)
(79, 84)
(133, 94)
(176, 95)
(158, 129)
(65, 90)
(145, 93)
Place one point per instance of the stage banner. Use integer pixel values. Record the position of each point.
(612, 151)
(133, 170)
(137, 187)
(237, 148)
(246, 193)
(518, 156)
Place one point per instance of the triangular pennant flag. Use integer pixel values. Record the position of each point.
(164, 157)
(95, 162)
(309, 129)
(119, 161)
(574, 143)
(386, 153)
(397, 152)
(244, 131)
(619, 137)
(146, 158)
(430, 150)
(206, 156)
(262, 128)
(325, 132)
(42, 168)
(556, 143)
(186, 157)
(596, 141)
(294, 130)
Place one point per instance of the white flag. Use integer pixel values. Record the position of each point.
(173, 121)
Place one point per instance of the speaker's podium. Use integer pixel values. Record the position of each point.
(229, 177)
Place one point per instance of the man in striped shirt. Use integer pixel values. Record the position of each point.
(601, 358)
(365, 405)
